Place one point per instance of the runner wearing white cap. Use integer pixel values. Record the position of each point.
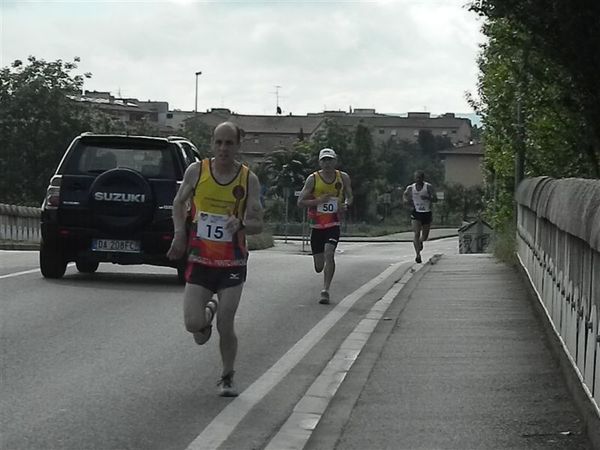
(327, 193)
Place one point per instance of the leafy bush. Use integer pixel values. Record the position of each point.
(260, 241)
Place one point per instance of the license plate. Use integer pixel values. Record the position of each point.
(116, 245)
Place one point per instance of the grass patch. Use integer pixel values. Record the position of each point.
(505, 244)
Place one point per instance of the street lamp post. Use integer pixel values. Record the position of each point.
(196, 102)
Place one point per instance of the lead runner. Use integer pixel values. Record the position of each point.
(224, 195)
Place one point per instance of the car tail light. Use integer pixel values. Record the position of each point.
(52, 193)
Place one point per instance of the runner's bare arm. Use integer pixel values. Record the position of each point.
(406, 195)
(432, 194)
(349, 198)
(180, 205)
(304, 199)
(253, 221)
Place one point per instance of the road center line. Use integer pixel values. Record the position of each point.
(219, 429)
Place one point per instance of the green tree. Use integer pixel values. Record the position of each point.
(538, 93)
(200, 134)
(332, 135)
(39, 118)
(563, 36)
(464, 203)
(359, 162)
(284, 172)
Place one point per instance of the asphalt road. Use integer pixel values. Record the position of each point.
(103, 361)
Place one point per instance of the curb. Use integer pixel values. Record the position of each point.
(365, 239)
(18, 245)
(298, 431)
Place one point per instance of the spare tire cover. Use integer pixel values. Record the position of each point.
(121, 200)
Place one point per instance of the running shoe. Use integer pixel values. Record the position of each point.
(201, 337)
(418, 259)
(227, 387)
(324, 297)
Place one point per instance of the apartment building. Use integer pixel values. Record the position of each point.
(265, 134)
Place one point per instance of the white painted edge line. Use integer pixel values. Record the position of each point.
(307, 413)
(222, 425)
(17, 274)
(586, 389)
(25, 272)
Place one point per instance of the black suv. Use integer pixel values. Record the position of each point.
(110, 200)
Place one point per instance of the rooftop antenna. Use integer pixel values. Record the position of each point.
(277, 108)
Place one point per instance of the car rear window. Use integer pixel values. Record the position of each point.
(97, 158)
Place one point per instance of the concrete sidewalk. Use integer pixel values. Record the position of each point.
(462, 362)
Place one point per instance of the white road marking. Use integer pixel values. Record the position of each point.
(25, 272)
(307, 413)
(221, 427)
(17, 274)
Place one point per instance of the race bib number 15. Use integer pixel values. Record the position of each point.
(331, 206)
(212, 227)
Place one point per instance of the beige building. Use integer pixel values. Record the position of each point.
(265, 134)
(464, 165)
(175, 119)
(385, 127)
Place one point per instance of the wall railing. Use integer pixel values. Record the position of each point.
(19, 223)
(558, 244)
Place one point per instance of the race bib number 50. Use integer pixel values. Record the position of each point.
(330, 206)
(212, 227)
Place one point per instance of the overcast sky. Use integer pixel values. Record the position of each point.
(394, 56)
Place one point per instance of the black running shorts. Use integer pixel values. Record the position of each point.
(215, 278)
(423, 217)
(321, 236)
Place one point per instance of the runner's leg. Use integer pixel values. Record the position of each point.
(319, 261)
(317, 248)
(425, 234)
(329, 257)
(196, 315)
(417, 237)
(229, 299)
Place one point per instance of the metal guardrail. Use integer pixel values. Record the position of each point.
(558, 244)
(19, 223)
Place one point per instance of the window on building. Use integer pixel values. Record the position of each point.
(169, 115)
(416, 133)
(381, 131)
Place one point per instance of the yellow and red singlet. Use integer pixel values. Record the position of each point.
(209, 242)
(326, 215)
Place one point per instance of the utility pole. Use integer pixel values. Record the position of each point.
(520, 125)
(196, 102)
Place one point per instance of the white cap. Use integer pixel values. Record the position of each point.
(327, 153)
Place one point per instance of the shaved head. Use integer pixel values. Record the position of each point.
(232, 126)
